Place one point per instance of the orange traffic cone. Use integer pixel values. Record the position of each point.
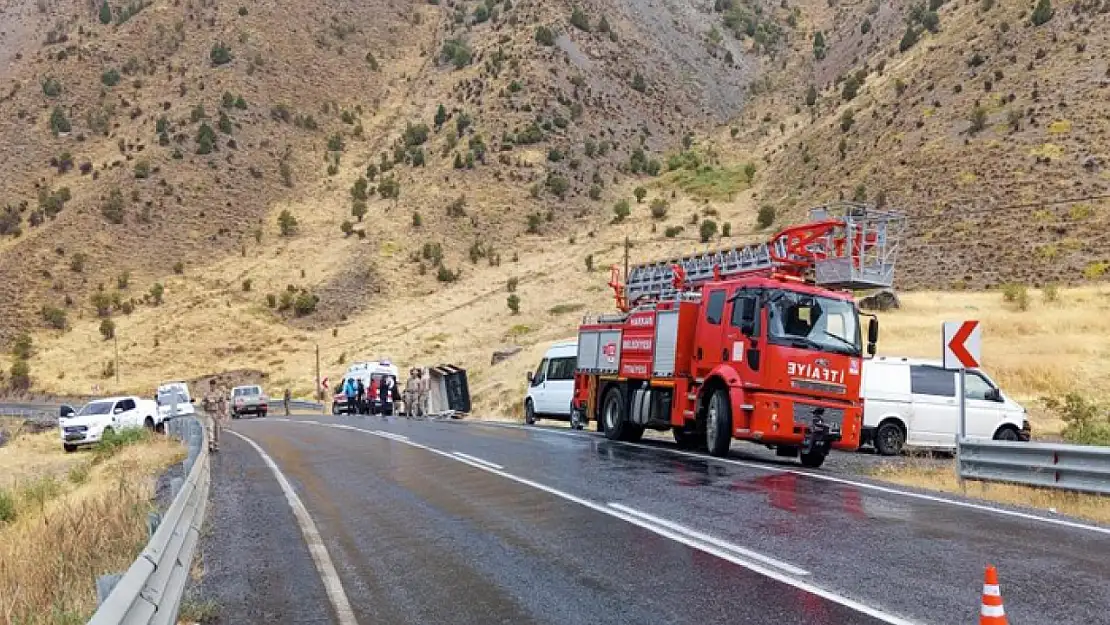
(992, 612)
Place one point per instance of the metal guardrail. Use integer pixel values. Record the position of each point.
(1079, 468)
(150, 592)
(303, 404)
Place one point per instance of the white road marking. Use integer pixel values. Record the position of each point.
(689, 541)
(832, 478)
(706, 538)
(384, 434)
(324, 566)
(478, 460)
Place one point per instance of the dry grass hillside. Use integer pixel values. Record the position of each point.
(395, 180)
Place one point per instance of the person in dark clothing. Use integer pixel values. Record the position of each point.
(387, 389)
(360, 397)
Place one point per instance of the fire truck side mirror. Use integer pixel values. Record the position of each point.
(872, 335)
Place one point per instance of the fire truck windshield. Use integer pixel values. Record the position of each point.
(813, 322)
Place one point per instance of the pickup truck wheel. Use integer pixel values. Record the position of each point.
(69, 448)
(262, 414)
(889, 439)
(718, 423)
(813, 459)
(149, 424)
(529, 412)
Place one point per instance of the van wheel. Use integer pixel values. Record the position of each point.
(718, 423)
(614, 415)
(529, 413)
(1007, 433)
(889, 439)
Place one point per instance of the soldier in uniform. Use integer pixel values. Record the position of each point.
(285, 399)
(423, 389)
(410, 393)
(215, 410)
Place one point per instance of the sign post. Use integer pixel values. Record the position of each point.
(962, 346)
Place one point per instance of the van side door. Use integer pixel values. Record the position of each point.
(560, 385)
(933, 392)
(538, 391)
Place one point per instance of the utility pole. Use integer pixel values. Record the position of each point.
(627, 246)
(115, 340)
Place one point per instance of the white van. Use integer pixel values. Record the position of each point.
(168, 392)
(913, 403)
(551, 386)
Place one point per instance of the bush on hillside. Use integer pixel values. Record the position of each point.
(1042, 13)
(766, 216)
(1086, 422)
(220, 54)
(545, 36)
(659, 208)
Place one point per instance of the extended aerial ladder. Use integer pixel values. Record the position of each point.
(845, 245)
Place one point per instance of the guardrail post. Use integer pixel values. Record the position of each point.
(104, 586)
(153, 520)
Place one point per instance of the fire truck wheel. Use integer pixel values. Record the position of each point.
(617, 426)
(813, 460)
(718, 423)
(529, 413)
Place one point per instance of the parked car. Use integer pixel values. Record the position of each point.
(551, 386)
(88, 425)
(248, 400)
(168, 392)
(909, 402)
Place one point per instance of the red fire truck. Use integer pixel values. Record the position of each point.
(759, 343)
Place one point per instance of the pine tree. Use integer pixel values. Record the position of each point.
(441, 116)
(105, 13)
(1042, 13)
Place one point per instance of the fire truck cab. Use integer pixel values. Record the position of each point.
(728, 345)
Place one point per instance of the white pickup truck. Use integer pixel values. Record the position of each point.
(88, 425)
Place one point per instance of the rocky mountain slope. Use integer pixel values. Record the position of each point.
(227, 184)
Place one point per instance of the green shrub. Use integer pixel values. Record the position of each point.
(8, 510)
(639, 83)
(707, 230)
(589, 262)
(909, 38)
(977, 119)
(766, 216)
(105, 13)
(114, 440)
(659, 208)
(1051, 293)
(287, 223)
(819, 49)
(220, 54)
(580, 20)
(107, 328)
(513, 302)
(157, 291)
(456, 51)
(443, 274)
(847, 119)
(59, 123)
(1086, 423)
(51, 88)
(19, 375)
(621, 211)
(545, 36)
(305, 303)
(110, 78)
(1042, 13)
(271, 300)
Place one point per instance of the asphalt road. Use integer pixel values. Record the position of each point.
(449, 522)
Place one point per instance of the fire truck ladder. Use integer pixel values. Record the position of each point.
(844, 246)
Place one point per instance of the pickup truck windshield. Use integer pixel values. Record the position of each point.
(96, 408)
(813, 322)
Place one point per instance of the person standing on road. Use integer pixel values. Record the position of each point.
(360, 396)
(423, 386)
(387, 388)
(215, 404)
(410, 393)
(350, 391)
(285, 400)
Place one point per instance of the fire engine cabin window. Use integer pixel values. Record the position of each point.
(812, 322)
(932, 381)
(746, 307)
(975, 387)
(716, 308)
(561, 369)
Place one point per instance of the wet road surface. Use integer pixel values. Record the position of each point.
(447, 522)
